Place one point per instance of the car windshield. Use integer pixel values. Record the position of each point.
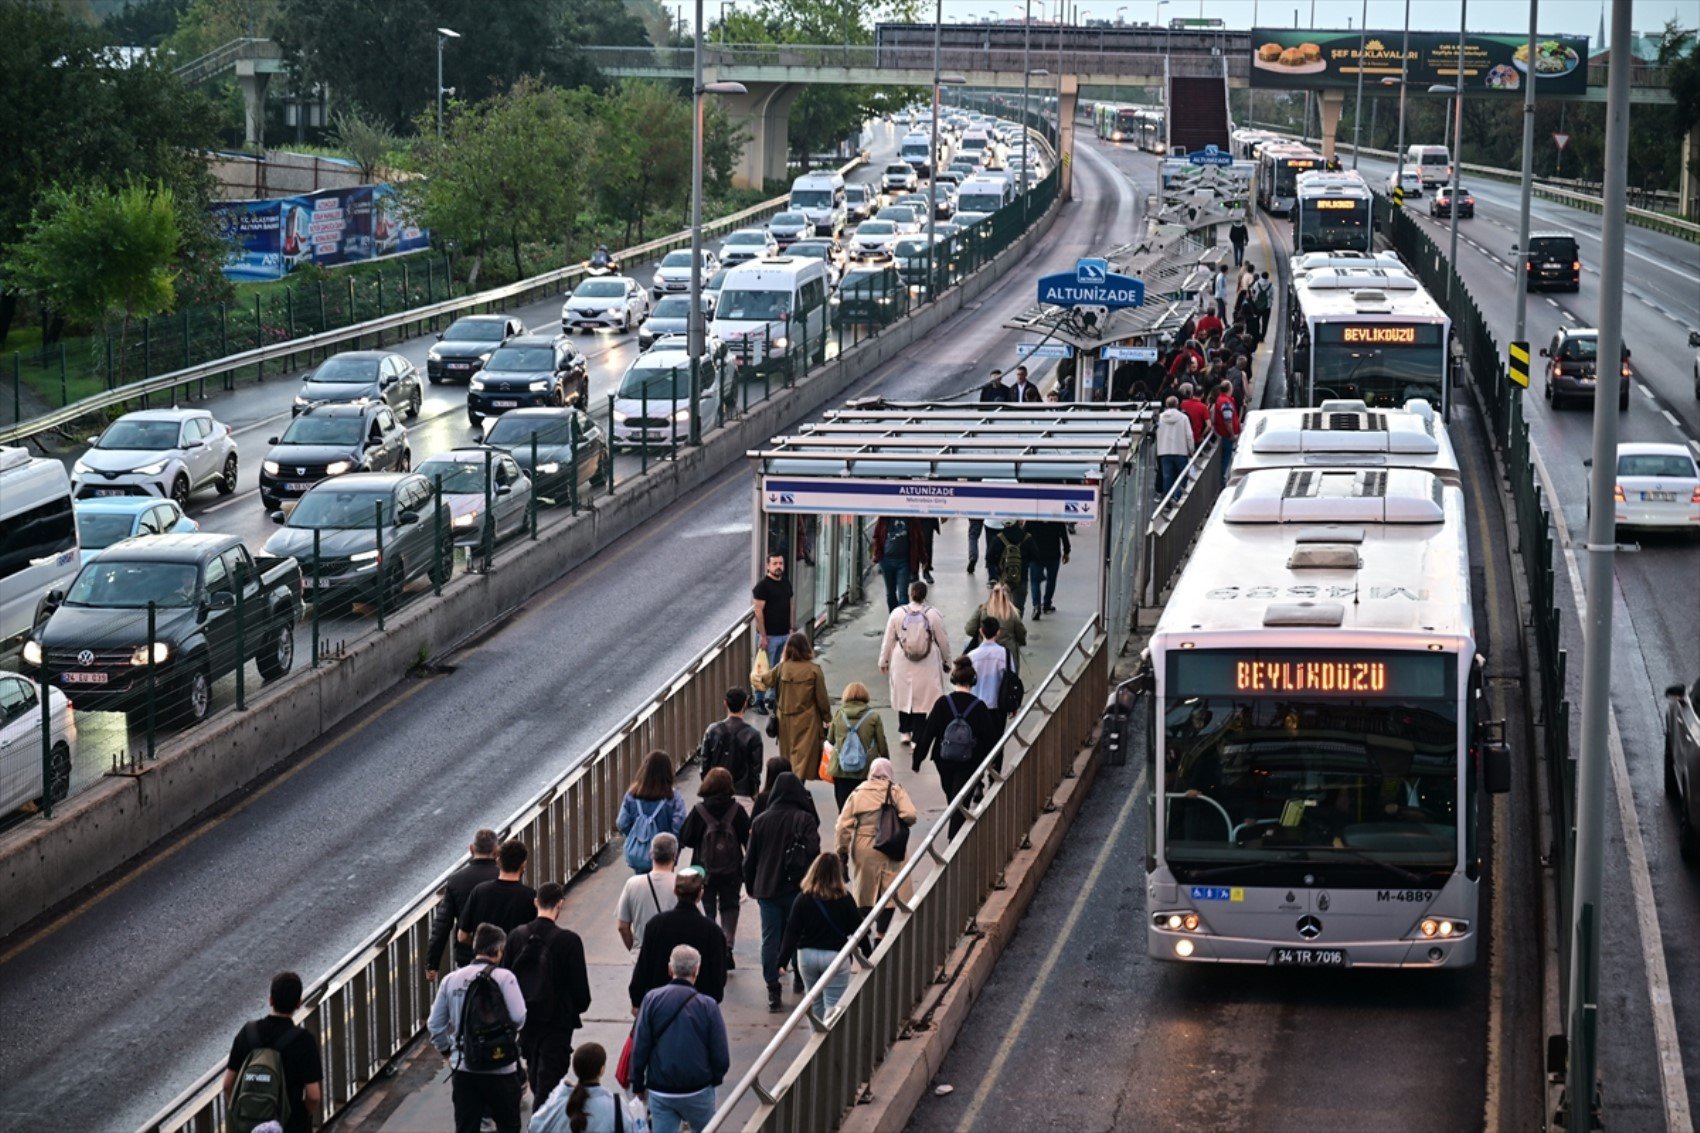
(460, 477)
(744, 238)
(719, 280)
(677, 260)
(811, 199)
(516, 431)
(811, 250)
(97, 531)
(877, 228)
(909, 248)
(1581, 348)
(789, 220)
(476, 330)
(533, 359)
(132, 585)
(753, 304)
(346, 370)
(656, 383)
(333, 508)
(150, 435)
(672, 307)
(600, 289)
(311, 430)
(899, 214)
(1636, 464)
(898, 171)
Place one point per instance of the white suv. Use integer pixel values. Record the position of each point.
(899, 177)
(158, 452)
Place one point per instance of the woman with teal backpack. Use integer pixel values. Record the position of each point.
(857, 736)
(652, 806)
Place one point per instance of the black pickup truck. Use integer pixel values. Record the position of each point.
(94, 644)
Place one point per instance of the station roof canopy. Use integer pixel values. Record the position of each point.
(1173, 266)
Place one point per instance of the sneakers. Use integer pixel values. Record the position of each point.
(774, 1003)
(928, 575)
(1050, 609)
(1037, 613)
(972, 567)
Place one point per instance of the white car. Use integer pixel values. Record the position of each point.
(899, 177)
(1658, 485)
(860, 202)
(907, 218)
(101, 523)
(673, 276)
(652, 403)
(168, 453)
(1412, 180)
(787, 228)
(873, 238)
(612, 301)
(20, 743)
(747, 244)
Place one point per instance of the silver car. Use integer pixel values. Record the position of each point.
(787, 228)
(669, 321)
(673, 276)
(462, 472)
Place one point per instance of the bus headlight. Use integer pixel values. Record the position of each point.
(1441, 928)
(1177, 922)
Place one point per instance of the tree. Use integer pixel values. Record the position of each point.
(641, 158)
(96, 254)
(364, 139)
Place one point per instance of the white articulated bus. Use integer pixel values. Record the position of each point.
(1369, 334)
(1318, 749)
(1345, 434)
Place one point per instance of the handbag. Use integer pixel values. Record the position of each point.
(891, 836)
(825, 769)
(773, 727)
(623, 1068)
(760, 671)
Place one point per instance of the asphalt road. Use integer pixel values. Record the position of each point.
(1078, 1029)
(148, 978)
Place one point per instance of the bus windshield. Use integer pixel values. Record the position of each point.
(1362, 780)
(1287, 170)
(1385, 364)
(1333, 224)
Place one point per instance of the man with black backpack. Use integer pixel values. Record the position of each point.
(958, 735)
(735, 744)
(1015, 547)
(475, 1023)
(784, 840)
(891, 550)
(548, 962)
(274, 1070)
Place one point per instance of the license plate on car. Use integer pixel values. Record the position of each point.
(109, 492)
(1660, 497)
(1308, 958)
(509, 404)
(297, 486)
(460, 365)
(83, 678)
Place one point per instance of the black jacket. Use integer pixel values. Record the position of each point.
(1050, 540)
(806, 926)
(695, 828)
(568, 982)
(790, 815)
(455, 892)
(505, 904)
(736, 746)
(683, 924)
(986, 725)
(995, 391)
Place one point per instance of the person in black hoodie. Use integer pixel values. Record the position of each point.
(960, 701)
(456, 890)
(820, 923)
(784, 839)
(716, 832)
(548, 961)
(682, 924)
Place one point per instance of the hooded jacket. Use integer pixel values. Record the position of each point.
(790, 815)
(1174, 433)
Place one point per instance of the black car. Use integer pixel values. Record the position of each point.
(332, 440)
(348, 514)
(1682, 764)
(556, 431)
(1552, 260)
(462, 349)
(533, 369)
(363, 377)
(1441, 203)
(1572, 361)
(871, 295)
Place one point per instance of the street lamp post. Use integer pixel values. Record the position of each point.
(1458, 137)
(1026, 72)
(1404, 82)
(693, 319)
(443, 36)
(1358, 113)
(1528, 181)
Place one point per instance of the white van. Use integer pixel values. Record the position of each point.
(1432, 163)
(983, 193)
(820, 197)
(38, 538)
(770, 312)
(917, 151)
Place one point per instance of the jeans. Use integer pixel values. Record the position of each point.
(773, 910)
(667, 1113)
(1227, 455)
(1239, 255)
(953, 777)
(1169, 470)
(975, 526)
(1042, 582)
(720, 896)
(548, 1052)
(775, 648)
(479, 1095)
(814, 962)
(896, 573)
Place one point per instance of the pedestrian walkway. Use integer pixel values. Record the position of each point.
(848, 652)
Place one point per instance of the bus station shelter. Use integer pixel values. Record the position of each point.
(818, 492)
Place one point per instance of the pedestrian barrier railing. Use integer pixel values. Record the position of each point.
(414, 319)
(1179, 517)
(369, 1007)
(951, 875)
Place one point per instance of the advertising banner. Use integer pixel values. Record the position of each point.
(271, 238)
(1292, 59)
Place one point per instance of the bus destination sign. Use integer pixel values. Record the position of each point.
(1328, 204)
(1379, 334)
(1309, 672)
(1310, 676)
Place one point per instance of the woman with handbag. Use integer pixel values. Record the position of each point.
(873, 829)
(802, 707)
(851, 759)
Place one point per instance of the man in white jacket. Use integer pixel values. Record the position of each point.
(1174, 445)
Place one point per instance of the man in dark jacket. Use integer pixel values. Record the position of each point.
(679, 1048)
(735, 744)
(682, 924)
(506, 902)
(784, 840)
(548, 961)
(459, 887)
(1024, 390)
(994, 390)
(1046, 553)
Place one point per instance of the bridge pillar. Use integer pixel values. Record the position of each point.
(1068, 94)
(1688, 203)
(1331, 102)
(253, 76)
(765, 115)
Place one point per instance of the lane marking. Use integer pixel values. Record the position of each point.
(1036, 989)
(1669, 416)
(1635, 848)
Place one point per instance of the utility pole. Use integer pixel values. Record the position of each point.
(1584, 975)
(1528, 180)
(694, 317)
(1458, 138)
(1404, 81)
(1026, 78)
(1358, 113)
(933, 162)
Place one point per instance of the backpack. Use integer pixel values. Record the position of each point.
(719, 853)
(1011, 692)
(260, 1094)
(487, 1037)
(531, 969)
(1260, 296)
(957, 745)
(796, 861)
(1011, 567)
(907, 631)
(897, 540)
(641, 834)
(853, 753)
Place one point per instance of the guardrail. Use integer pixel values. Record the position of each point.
(997, 809)
(525, 290)
(371, 1004)
(1179, 516)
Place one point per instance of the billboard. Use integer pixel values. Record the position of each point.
(1291, 59)
(271, 238)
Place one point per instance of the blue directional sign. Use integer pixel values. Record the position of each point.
(1091, 284)
(1210, 155)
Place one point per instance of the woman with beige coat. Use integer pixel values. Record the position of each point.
(858, 827)
(803, 707)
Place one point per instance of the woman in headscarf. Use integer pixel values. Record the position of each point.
(858, 827)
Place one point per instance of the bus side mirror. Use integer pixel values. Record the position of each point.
(1694, 338)
(1496, 767)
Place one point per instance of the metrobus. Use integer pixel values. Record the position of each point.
(1371, 334)
(1318, 748)
(1332, 212)
(1278, 167)
(1345, 434)
(1246, 142)
(1116, 121)
(1151, 130)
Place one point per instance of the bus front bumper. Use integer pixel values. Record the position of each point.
(1192, 947)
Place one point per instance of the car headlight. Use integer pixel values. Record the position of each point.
(466, 520)
(270, 467)
(338, 467)
(549, 468)
(539, 385)
(780, 343)
(364, 557)
(682, 414)
(160, 652)
(299, 400)
(431, 355)
(476, 384)
(153, 469)
(79, 469)
(621, 415)
(485, 357)
(32, 651)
